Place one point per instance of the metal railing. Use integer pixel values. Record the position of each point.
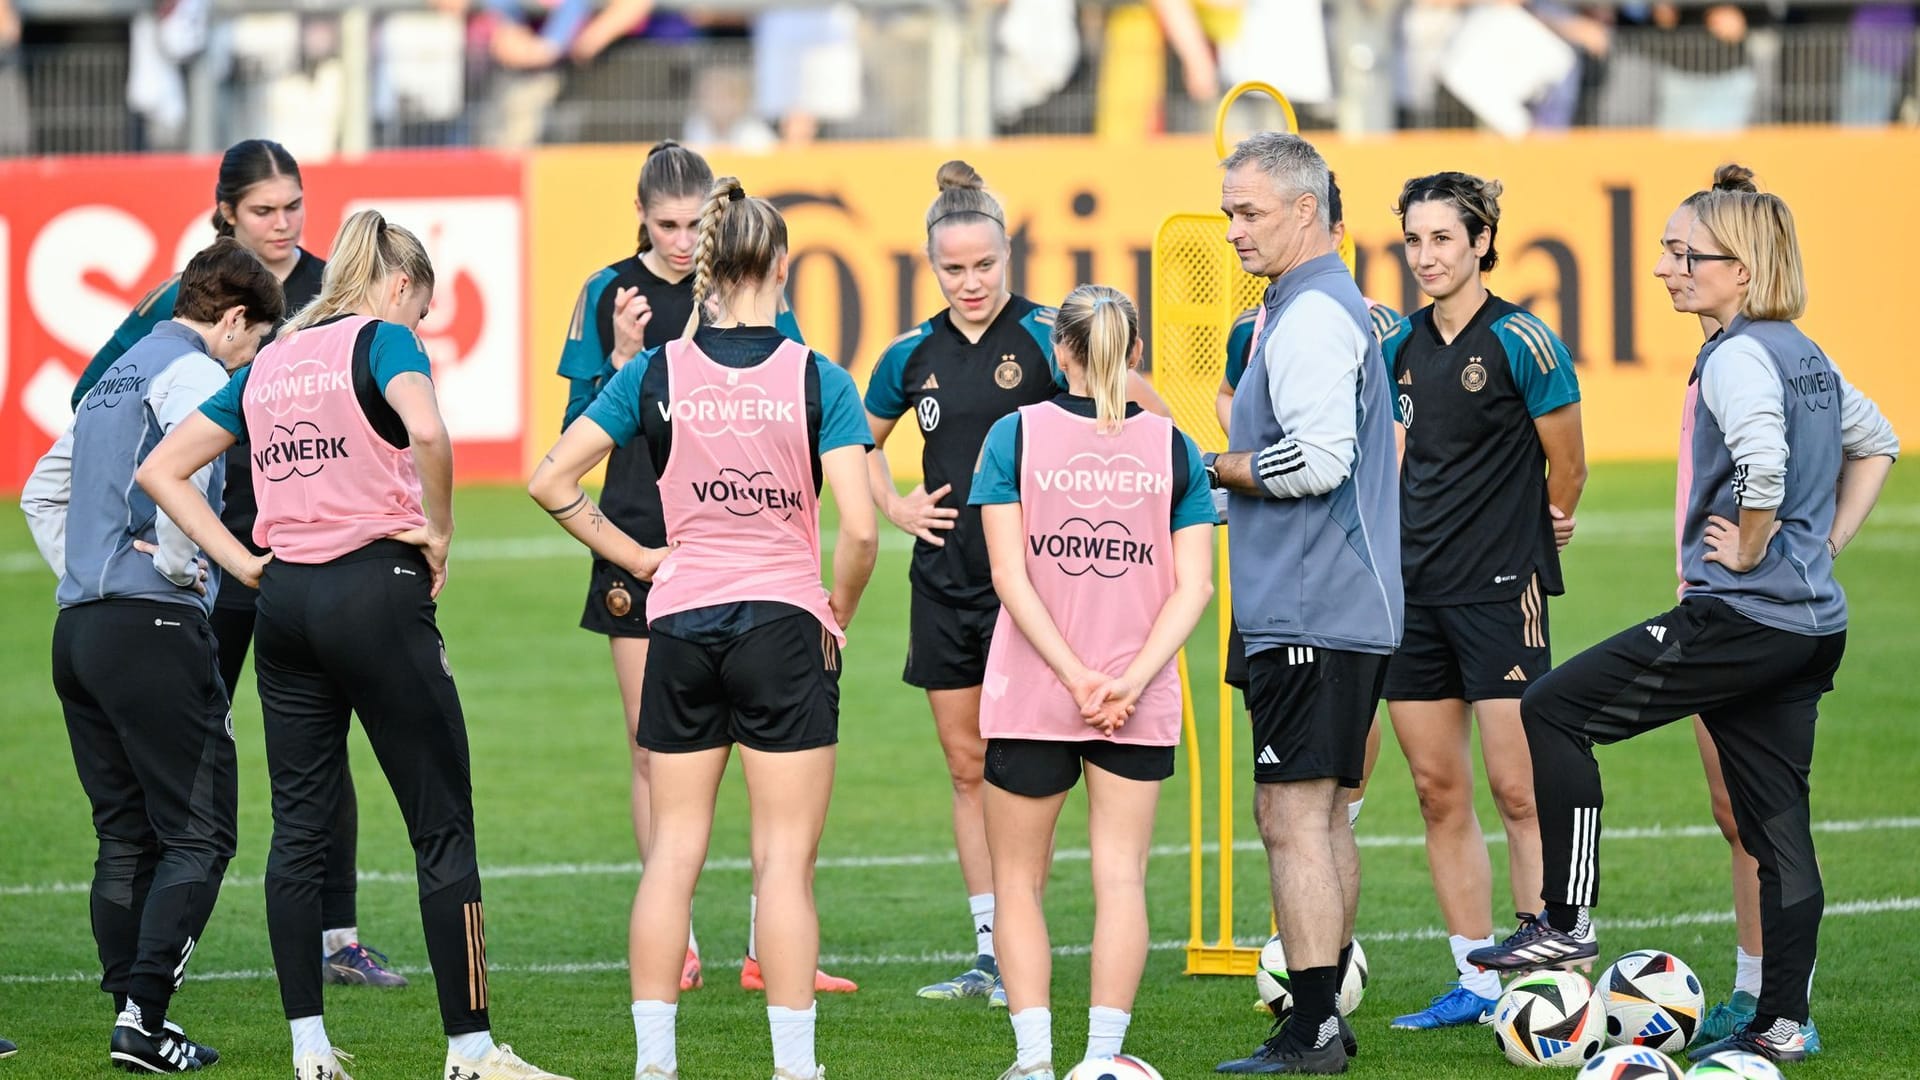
(927, 71)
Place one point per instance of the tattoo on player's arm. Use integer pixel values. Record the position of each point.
(568, 510)
(594, 517)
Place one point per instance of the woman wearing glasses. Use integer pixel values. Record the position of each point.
(1768, 428)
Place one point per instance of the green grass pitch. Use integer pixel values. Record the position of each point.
(550, 779)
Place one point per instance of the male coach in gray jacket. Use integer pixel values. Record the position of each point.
(1314, 535)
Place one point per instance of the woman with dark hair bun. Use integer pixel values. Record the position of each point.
(260, 202)
(1494, 466)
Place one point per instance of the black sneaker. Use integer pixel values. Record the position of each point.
(136, 1051)
(1781, 1042)
(1348, 1041)
(1285, 1052)
(7, 1049)
(1536, 945)
(207, 1055)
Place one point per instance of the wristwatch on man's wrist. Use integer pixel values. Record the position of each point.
(1206, 462)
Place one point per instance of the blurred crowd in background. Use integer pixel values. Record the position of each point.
(127, 75)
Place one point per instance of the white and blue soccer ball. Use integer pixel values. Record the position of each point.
(1734, 1065)
(1631, 1063)
(1549, 1018)
(1277, 991)
(1652, 999)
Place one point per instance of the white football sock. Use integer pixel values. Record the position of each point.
(653, 1035)
(1746, 971)
(309, 1037)
(693, 943)
(1484, 983)
(332, 941)
(1353, 813)
(982, 908)
(753, 916)
(792, 1039)
(474, 1045)
(1106, 1030)
(1032, 1037)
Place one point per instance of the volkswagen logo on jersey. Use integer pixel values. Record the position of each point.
(929, 412)
(1090, 481)
(744, 494)
(298, 388)
(1080, 546)
(1473, 376)
(115, 383)
(300, 450)
(1008, 375)
(714, 410)
(1406, 410)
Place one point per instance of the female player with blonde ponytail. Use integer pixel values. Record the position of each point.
(1098, 523)
(744, 641)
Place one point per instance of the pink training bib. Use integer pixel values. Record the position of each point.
(741, 510)
(1096, 513)
(326, 481)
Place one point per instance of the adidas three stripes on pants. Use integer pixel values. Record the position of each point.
(356, 636)
(1757, 689)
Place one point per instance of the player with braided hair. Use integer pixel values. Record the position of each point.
(624, 309)
(741, 425)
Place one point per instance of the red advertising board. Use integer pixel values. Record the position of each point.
(81, 240)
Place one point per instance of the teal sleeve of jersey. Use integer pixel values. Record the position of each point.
(1542, 368)
(1384, 320)
(396, 349)
(788, 326)
(1390, 347)
(617, 408)
(1239, 349)
(842, 421)
(1038, 324)
(887, 386)
(153, 307)
(994, 479)
(584, 356)
(224, 407)
(580, 394)
(1196, 504)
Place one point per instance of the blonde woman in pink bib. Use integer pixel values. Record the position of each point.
(742, 425)
(1099, 527)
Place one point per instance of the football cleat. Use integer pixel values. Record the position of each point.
(1536, 945)
(690, 972)
(1457, 1007)
(357, 965)
(823, 983)
(502, 1064)
(978, 982)
(322, 1066)
(1781, 1042)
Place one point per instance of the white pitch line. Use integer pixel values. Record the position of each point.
(1884, 906)
(947, 858)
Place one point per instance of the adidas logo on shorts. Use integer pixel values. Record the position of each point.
(1516, 675)
(1659, 633)
(1267, 756)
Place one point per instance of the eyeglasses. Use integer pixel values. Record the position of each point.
(1693, 259)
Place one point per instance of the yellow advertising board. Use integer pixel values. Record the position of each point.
(1579, 235)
